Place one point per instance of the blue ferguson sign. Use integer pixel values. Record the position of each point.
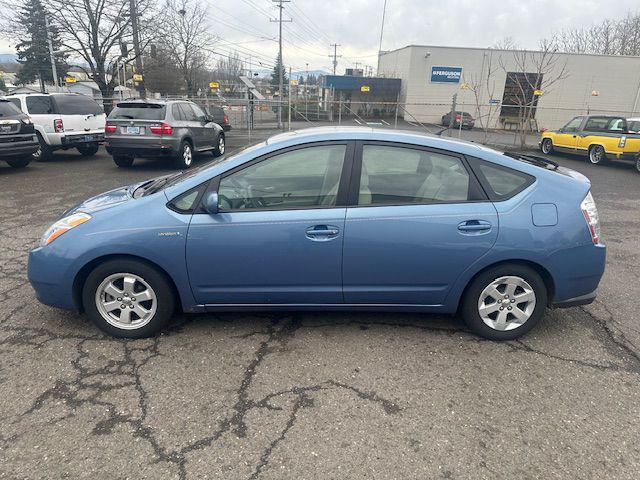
(446, 74)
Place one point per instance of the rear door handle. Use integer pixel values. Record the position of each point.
(321, 233)
(474, 226)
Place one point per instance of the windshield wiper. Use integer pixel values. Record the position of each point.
(535, 160)
(158, 184)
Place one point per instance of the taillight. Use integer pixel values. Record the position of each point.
(108, 128)
(162, 129)
(457, 118)
(590, 212)
(58, 127)
(226, 119)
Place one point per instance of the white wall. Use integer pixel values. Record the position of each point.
(617, 79)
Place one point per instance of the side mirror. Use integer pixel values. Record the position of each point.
(210, 203)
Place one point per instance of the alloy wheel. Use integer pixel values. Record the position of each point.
(596, 154)
(221, 145)
(187, 154)
(506, 303)
(126, 301)
(546, 146)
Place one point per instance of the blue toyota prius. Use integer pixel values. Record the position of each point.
(332, 218)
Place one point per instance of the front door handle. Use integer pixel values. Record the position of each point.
(321, 233)
(474, 227)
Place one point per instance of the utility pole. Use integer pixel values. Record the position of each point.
(335, 56)
(281, 65)
(54, 70)
(384, 11)
(136, 46)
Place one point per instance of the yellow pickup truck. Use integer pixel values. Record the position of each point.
(599, 137)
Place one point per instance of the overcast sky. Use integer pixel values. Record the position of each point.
(355, 25)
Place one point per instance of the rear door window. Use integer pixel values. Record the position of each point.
(77, 105)
(39, 105)
(138, 111)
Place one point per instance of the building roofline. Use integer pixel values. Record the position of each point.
(486, 49)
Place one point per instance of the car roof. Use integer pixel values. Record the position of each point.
(318, 134)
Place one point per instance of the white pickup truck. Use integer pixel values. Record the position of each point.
(63, 121)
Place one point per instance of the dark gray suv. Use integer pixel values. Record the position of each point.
(175, 129)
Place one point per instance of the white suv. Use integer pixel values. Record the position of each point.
(63, 121)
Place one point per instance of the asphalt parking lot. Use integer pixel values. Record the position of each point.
(313, 395)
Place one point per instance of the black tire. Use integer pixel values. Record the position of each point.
(123, 161)
(88, 150)
(19, 162)
(155, 279)
(184, 156)
(546, 146)
(44, 152)
(638, 164)
(221, 145)
(470, 302)
(597, 154)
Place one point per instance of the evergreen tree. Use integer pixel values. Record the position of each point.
(275, 75)
(33, 51)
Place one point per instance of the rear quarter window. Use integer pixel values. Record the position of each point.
(500, 183)
(39, 105)
(138, 111)
(77, 105)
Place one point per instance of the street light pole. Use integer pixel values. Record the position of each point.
(136, 47)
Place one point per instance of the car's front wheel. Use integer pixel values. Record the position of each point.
(128, 299)
(220, 146)
(88, 150)
(184, 157)
(547, 146)
(638, 164)
(19, 162)
(597, 154)
(504, 302)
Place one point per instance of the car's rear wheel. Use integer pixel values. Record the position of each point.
(638, 164)
(547, 146)
(597, 154)
(220, 146)
(88, 150)
(184, 157)
(128, 299)
(504, 302)
(123, 161)
(19, 162)
(44, 151)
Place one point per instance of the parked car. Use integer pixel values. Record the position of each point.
(219, 116)
(63, 121)
(332, 218)
(174, 129)
(599, 137)
(467, 120)
(17, 136)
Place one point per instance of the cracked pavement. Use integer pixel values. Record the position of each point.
(313, 395)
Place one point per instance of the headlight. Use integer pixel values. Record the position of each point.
(63, 225)
(26, 121)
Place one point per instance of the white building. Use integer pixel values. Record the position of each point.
(431, 75)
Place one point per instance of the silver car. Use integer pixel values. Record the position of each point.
(175, 129)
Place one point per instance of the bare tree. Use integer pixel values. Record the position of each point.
(189, 39)
(506, 43)
(535, 73)
(227, 71)
(92, 32)
(609, 37)
(483, 88)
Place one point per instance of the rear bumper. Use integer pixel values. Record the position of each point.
(83, 139)
(142, 147)
(18, 145)
(576, 301)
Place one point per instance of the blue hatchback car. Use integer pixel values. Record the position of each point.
(332, 219)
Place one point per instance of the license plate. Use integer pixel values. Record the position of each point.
(133, 130)
(88, 138)
(5, 128)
